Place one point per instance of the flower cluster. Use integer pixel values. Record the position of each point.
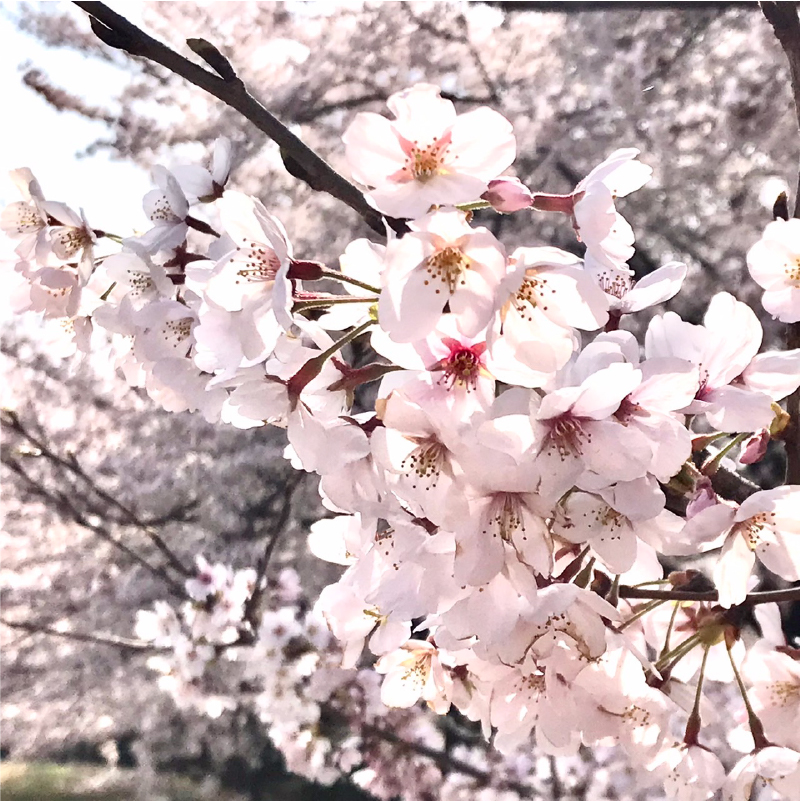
(513, 476)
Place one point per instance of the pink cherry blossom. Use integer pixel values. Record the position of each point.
(442, 261)
(427, 155)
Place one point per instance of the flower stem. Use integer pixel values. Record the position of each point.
(346, 279)
(711, 465)
(638, 614)
(311, 369)
(754, 723)
(324, 303)
(694, 721)
(650, 583)
(680, 651)
(348, 338)
(671, 623)
(475, 205)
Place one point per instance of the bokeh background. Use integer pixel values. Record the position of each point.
(701, 88)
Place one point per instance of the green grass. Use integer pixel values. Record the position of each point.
(46, 781)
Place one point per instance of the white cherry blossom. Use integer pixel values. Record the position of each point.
(775, 264)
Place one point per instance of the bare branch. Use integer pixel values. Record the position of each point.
(251, 610)
(123, 643)
(752, 599)
(299, 159)
(71, 465)
(444, 760)
(63, 503)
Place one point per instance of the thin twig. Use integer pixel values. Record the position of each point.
(122, 643)
(62, 502)
(752, 599)
(73, 466)
(300, 160)
(251, 610)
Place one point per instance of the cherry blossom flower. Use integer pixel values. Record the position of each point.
(688, 772)
(72, 235)
(627, 296)
(544, 296)
(773, 678)
(415, 671)
(775, 264)
(257, 266)
(601, 521)
(607, 235)
(722, 348)
(413, 444)
(442, 261)
(26, 219)
(204, 184)
(167, 208)
(134, 274)
(766, 526)
(774, 767)
(450, 369)
(427, 155)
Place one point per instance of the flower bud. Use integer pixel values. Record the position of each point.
(506, 195)
(755, 448)
(780, 420)
(703, 497)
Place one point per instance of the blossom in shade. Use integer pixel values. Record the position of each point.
(207, 184)
(167, 208)
(26, 220)
(775, 264)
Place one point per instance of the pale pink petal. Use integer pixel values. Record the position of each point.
(657, 287)
(372, 149)
(421, 113)
(733, 339)
(776, 373)
(736, 409)
(732, 571)
(783, 304)
(484, 142)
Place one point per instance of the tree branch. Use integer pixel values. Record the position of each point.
(752, 599)
(251, 611)
(299, 159)
(445, 760)
(64, 504)
(71, 465)
(783, 18)
(122, 643)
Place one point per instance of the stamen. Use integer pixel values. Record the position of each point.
(447, 266)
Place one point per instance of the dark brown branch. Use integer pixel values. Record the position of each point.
(251, 611)
(123, 643)
(783, 18)
(300, 160)
(752, 599)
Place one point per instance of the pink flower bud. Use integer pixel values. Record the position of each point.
(507, 195)
(703, 497)
(755, 448)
